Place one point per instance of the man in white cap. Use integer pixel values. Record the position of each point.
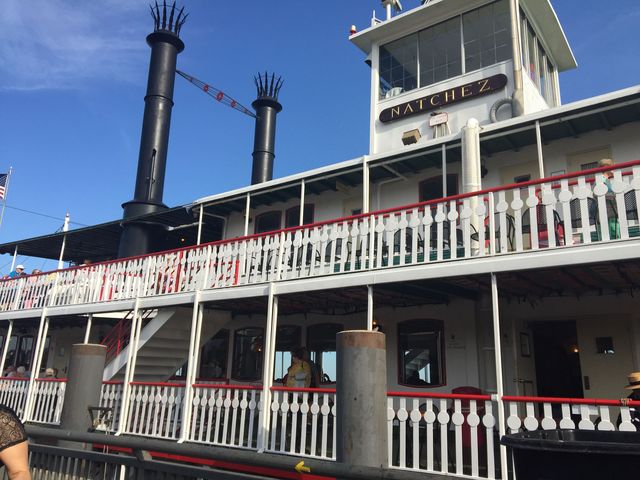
(18, 272)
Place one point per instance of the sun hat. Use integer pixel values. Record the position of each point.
(634, 381)
(49, 372)
(20, 266)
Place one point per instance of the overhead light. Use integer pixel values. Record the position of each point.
(411, 137)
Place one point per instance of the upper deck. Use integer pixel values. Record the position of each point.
(561, 220)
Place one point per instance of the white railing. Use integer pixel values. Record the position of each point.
(13, 393)
(226, 415)
(49, 400)
(111, 397)
(556, 212)
(303, 422)
(155, 409)
(534, 413)
(443, 433)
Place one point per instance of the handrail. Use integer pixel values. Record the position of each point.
(225, 386)
(461, 196)
(157, 384)
(449, 396)
(572, 401)
(303, 390)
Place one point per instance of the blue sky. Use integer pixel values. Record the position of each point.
(73, 76)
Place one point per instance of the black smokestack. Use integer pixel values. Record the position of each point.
(266, 107)
(137, 237)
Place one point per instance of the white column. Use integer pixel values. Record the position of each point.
(302, 195)
(65, 228)
(516, 54)
(499, 380)
(370, 307)
(267, 368)
(365, 184)
(471, 171)
(247, 210)
(200, 224)
(539, 144)
(87, 332)
(35, 365)
(15, 257)
(375, 94)
(444, 170)
(130, 368)
(192, 366)
(6, 347)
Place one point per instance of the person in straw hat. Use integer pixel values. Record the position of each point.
(634, 386)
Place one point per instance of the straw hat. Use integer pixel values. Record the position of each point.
(634, 381)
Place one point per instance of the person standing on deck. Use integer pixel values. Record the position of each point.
(299, 373)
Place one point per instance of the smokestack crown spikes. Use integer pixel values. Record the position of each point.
(168, 21)
(268, 87)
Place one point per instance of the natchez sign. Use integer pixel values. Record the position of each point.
(447, 97)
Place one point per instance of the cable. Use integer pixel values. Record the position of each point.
(45, 215)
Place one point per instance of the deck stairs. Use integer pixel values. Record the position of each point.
(164, 343)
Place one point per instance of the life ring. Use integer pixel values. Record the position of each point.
(493, 113)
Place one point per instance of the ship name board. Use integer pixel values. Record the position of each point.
(447, 97)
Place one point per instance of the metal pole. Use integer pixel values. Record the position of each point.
(6, 347)
(15, 257)
(365, 184)
(65, 228)
(361, 400)
(126, 387)
(200, 225)
(267, 369)
(35, 365)
(246, 214)
(302, 195)
(194, 344)
(499, 380)
(4, 198)
(369, 307)
(444, 170)
(87, 332)
(539, 143)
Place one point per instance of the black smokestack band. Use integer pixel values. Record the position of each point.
(266, 107)
(138, 237)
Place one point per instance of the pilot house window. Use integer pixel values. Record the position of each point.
(248, 345)
(421, 353)
(321, 341)
(471, 41)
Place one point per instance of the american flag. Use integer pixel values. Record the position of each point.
(3, 185)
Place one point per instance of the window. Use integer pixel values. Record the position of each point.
(11, 351)
(287, 340)
(247, 354)
(25, 352)
(398, 66)
(435, 53)
(537, 63)
(268, 221)
(213, 356)
(440, 55)
(292, 216)
(486, 36)
(420, 350)
(522, 178)
(321, 342)
(431, 188)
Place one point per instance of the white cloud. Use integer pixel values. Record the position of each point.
(62, 44)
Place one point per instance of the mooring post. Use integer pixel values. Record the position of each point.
(84, 382)
(361, 401)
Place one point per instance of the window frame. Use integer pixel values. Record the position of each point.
(295, 210)
(297, 342)
(442, 347)
(451, 177)
(256, 221)
(224, 376)
(310, 339)
(232, 376)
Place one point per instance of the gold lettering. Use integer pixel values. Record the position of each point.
(451, 98)
(407, 109)
(465, 91)
(484, 85)
(395, 112)
(435, 97)
(420, 103)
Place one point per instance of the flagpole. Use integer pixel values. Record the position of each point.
(6, 192)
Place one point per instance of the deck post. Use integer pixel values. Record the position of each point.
(192, 365)
(13, 260)
(302, 195)
(35, 366)
(87, 332)
(361, 399)
(539, 146)
(130, 368)
(267, 369)
(84, 384)
(370, 307)
(365, 184)
(247, 209)
(499, 380)
(200, 225)
(6, 347)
